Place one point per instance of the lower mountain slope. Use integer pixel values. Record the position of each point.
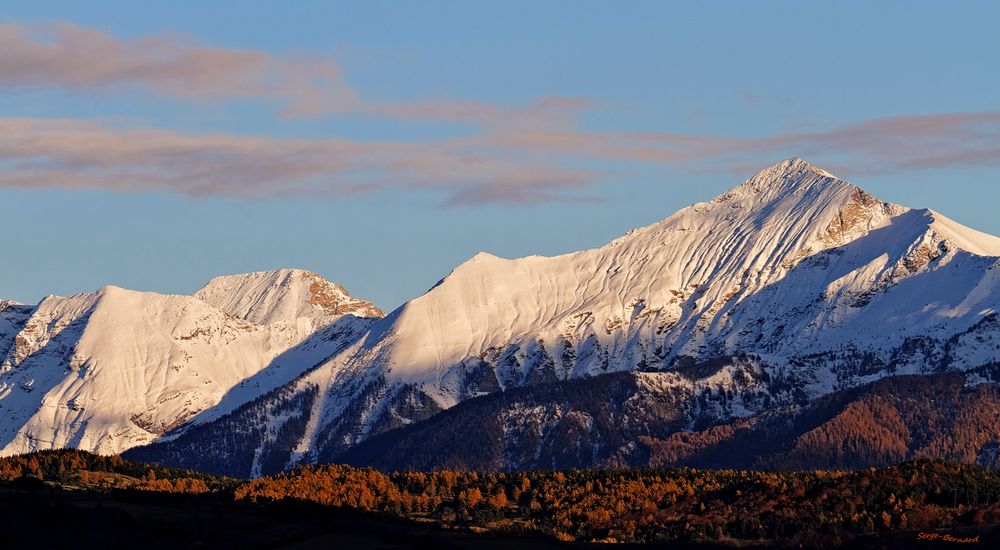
(614, 420)
(894, 419)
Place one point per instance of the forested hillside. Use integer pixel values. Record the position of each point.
(614, 421)
(730, 507)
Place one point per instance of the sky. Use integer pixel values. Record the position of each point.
(156, 145)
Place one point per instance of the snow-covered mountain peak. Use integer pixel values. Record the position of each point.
(791, 204)
(788, 177)
(115, 368)
(791, 208)
(798, 183)
(282, 295)
(482, 255)
(686, 278)
(792, 171)
(115, 290)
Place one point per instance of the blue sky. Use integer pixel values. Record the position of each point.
(382, 143)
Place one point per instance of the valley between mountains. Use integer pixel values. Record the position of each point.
(793, 321)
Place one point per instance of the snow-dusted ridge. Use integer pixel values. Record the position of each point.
(789, 286)
(793, 266)
(108, 370)
(684, 278)
(812, 283)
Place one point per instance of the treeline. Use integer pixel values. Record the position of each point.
(816, 508)
(72, 468)
(677, 504)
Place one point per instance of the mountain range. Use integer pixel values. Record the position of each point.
(793, 321)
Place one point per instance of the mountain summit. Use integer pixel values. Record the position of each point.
(283, 295)
(700, 281)
(788, 173)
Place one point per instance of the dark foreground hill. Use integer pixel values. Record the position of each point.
(71, 498)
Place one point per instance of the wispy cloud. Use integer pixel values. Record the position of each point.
(516, 166)
(81, 59)
(37, 153)
(898, 143)
(517, 154)
(886, 144)
(67, 56)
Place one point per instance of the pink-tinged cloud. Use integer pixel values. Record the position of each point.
(513, 165)
(40, 153)
(898, 143)
(66, 56)
(878, 145)
(69, 57)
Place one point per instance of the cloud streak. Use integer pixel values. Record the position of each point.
(520, 154)
(38, 153)
(522, 166)
(69, 57)
(897, 143)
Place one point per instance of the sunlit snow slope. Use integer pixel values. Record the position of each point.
(825, 285)
(116, 368)
(792, 261)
